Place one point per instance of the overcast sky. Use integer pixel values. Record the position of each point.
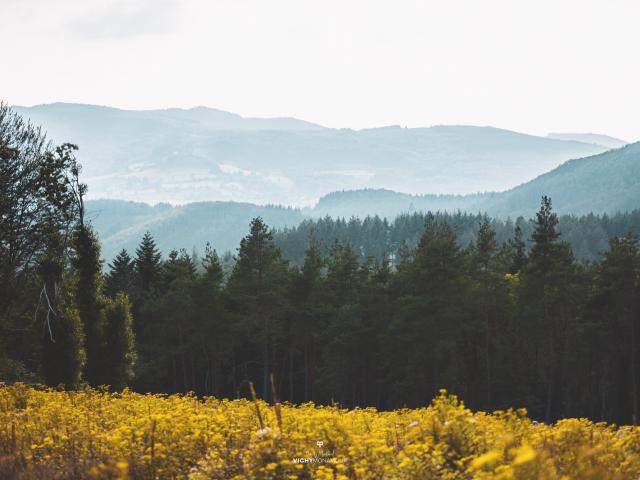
(529, 65)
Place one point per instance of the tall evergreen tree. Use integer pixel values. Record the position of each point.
(90, 301)
(549, 294)
(518, 252)
(616, 305)
(256, 289)
(484, 273)
(119, 354)
(121, 275)
(431, 317)
(212, 331)
(148, 264)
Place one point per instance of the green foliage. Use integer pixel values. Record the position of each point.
(38, 198)
(147, 264)
(90, 301)
(256, 292)
(63, 353)
(121, 275)
(119, 354)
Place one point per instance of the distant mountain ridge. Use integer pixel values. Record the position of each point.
(205, 117)
(604, 183)
(201, 154)
(594, 138)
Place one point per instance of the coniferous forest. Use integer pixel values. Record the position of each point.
(517, 322)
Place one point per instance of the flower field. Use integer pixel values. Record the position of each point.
(48, 434)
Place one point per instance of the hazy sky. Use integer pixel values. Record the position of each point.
(529, 65)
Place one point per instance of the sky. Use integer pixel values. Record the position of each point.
(534, 66)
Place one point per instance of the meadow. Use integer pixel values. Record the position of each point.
(91, 433)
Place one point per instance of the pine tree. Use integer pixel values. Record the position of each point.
(121, 275)
(148, 264)
(545, 239)
(90, 301)
(431, 319)
(308, 305)
(256, 289)
(342, 272)
(213, 270)
(518, 252)
(145, 304)
(212, 330)
(616, 306)
(119, 356)
(549, 296)
(484, 252)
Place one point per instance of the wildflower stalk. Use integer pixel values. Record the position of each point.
(276, 402)
(255, 402)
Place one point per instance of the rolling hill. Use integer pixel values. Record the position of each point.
(604, 183)
(201, 154)
(597, 139)
(121, 224)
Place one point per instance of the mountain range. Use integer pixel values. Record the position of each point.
(202, 154)
(604, 183)
(209, 172)
(594, 138)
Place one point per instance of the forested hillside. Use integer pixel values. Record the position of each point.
(222, 224)
(604, 183)
(373, 237)
(607, 185)
(202, 154)
(121, 224)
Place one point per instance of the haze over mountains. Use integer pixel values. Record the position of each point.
(231, 167)
(202, 154)
(594, 138)
(604, 183)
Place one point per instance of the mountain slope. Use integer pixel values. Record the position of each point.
(604, 183)
(121, 224)
(201, 154)
(597, 139)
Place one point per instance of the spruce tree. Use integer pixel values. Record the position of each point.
(121, 275)
(431, 318)
(148, 264)
(548, 296)
(484, 274)
(213, 270)
(212, 331)
(308, 304)
(342, 273)
(517, 250)
(616, 304)
(256, 289)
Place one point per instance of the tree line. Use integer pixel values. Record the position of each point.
(503, 323)
(499, 323)
(377, 237)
